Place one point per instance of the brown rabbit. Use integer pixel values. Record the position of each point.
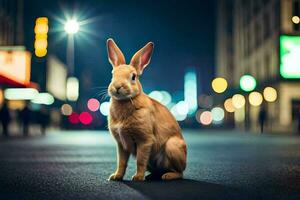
(140, 125)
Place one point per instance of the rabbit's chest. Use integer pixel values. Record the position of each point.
(125, 137)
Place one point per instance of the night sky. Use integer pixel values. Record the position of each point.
(183, 33)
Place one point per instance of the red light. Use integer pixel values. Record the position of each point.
(93, 104)
(74, 118)
(85, 118)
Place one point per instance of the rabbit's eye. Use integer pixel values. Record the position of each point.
(133, 77)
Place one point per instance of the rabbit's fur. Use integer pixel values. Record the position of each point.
(140, 125)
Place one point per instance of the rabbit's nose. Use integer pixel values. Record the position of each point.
(118, 88)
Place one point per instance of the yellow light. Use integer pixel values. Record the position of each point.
(41, 29)
(228, 105)
(41, 36)
(41, 20)
(296, 19)
(238, 101)
(219, 85)
(255, 98)
(239, 115)
(66, 109)
(16, 104)
(40, 52)
(270, 94)
(40, 44)
(1, 97)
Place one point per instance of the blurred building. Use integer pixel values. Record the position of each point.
(11, 22)
(250, 38)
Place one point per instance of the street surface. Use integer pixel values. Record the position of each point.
(221, 165)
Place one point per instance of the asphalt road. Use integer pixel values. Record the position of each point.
(221, 165)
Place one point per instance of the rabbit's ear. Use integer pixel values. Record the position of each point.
(115, 55)
(142, 58)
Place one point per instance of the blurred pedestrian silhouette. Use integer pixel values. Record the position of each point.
(43, 120)
(25, 118)
(262, 117)
(5, 119)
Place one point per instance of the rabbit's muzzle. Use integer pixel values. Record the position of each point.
(119, 91)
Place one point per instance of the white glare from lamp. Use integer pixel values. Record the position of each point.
(43, 98)
(72, 89)
(104, 108)
(179, 116)
(218, 115)
(72, 26)
(20, 93)
(190, 91)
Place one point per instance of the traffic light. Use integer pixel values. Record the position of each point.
(41, 35)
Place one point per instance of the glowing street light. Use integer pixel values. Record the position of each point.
(247, 83)
(72, 26)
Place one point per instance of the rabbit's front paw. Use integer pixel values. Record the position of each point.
(137, 177)
(115, 177)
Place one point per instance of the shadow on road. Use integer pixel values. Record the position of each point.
(187, 189)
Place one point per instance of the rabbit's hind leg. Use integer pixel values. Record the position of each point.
(175, 155)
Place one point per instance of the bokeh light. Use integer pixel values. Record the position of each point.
(74, 118)
(239, 115)
(206, 118)
(180, 111)
(1, 96)
(157, 95)
(66, 109)
(219, 85)
(43, 98)
(167, 98)
(85, 118)
(104, 108)
(182, 108)
(270, 94)
(93, 104)
(20, 93)
(238, 101)
(217, 114)
(255, 98)
(40, 52)
(228, 105)
(247, 83)
(296, 19)
(190, 91)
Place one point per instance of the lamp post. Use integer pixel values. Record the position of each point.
(71, 28)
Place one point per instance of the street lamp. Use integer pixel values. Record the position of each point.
(72, 26)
